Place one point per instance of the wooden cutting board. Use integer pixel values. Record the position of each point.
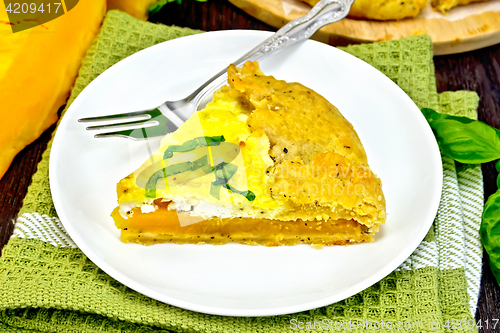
(464, 29)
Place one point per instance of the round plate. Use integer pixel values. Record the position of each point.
(236, 279)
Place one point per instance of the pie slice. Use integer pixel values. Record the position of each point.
(266, 162)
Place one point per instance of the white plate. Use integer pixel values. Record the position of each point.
(235, 279)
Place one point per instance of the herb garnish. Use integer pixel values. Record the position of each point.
(202, 141)
(472, 141)
(463, 139)
(223, 171)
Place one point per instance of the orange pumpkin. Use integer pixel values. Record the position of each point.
(38, 67)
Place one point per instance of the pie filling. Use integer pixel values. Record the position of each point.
(164, 225)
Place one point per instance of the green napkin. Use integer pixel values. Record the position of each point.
(48, 285)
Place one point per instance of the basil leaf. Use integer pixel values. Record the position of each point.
(463, 139)
(215, 190)
(471, 141)
(175, 169)
(155, 8)
(223, 173)
(490, 232)
(202, 141)
(249, 195)
(497, 166)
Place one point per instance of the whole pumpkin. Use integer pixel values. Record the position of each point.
(38, 67)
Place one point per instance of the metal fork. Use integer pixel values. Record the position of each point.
(171, 115)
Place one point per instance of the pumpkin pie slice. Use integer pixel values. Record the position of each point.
(266, 162)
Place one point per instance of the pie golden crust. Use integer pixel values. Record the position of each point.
(301, 174)
(396, 9)
(445, 5)
(383, 9)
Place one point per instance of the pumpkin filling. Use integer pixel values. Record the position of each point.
(163, 225)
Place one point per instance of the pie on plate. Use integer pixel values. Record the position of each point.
(237, 280)
(266, 162)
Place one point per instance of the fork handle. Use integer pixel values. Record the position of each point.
(323, 13)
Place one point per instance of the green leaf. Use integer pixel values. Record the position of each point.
(155, 8)
(174, 169)
(463, 139)
(215, 190)
(497, 166)
(471, 141)
(490, 232)
(202, 141)
(223, 173)
(249, 195)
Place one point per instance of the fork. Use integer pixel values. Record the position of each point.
(170, 115)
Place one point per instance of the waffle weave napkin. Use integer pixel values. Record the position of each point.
(48, 285)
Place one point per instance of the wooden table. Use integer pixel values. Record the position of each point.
(477, 71)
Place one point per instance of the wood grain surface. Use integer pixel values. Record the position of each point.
(477, 71)
(448, 35)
